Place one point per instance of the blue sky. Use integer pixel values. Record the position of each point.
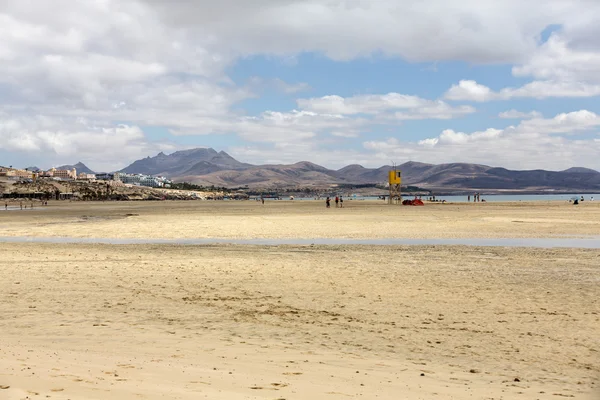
(512, 84)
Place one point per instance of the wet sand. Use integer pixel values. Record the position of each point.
(303, 219)
(91, 321)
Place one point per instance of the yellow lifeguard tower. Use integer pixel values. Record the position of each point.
(395, 181)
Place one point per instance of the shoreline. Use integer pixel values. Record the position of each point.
(237, 220)
(577, 242)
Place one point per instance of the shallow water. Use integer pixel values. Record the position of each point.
(494, 198)
(586, 243)
(17, 208)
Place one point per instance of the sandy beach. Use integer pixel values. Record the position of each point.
(90, 321)
(302, 219)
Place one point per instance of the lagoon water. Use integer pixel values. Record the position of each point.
(496, 198)
(568, 242)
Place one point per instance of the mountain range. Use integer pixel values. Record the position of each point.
(206, 166)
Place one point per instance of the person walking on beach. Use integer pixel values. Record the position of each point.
(341, 202)
(6, 205)
(337, 201)
(468, 198)
(328, 202)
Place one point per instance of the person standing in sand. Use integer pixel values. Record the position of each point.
(341, 202)
(327, 202)
(337, 201)
(6, 205)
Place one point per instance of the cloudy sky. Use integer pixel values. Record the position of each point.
(508, 83)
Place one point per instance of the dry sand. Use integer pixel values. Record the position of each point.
(302, 219)
(84, 321)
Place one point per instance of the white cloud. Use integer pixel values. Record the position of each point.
(561, 67)
(535, 143)
(514, 114)
(468, 90)
(436, 110)
(476, 31)
(107, 147)
(556, 61)
(416, 107)
(345, 134)
(572, 122)
(258, 83)
(157, 63)
(280, 127)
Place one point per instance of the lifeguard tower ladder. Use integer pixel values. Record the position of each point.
(395, 180)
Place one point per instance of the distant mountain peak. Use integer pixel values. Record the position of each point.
(581, 170)
(80, 167)
(186, 162)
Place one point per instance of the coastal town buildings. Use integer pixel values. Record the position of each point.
(142, 180)
(117, 178)
(66, 174)
(82, 176)
(17, 173)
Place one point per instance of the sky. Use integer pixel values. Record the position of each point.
(514, 84)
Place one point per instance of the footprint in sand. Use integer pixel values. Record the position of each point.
(57, 390)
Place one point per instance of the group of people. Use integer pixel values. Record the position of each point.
(339, 202)
(577, 201)
(24, 204)
(476, 197)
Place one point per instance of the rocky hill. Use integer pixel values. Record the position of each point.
(80, 167)
(209, 167)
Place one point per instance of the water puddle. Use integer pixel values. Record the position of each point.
(586, 243)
